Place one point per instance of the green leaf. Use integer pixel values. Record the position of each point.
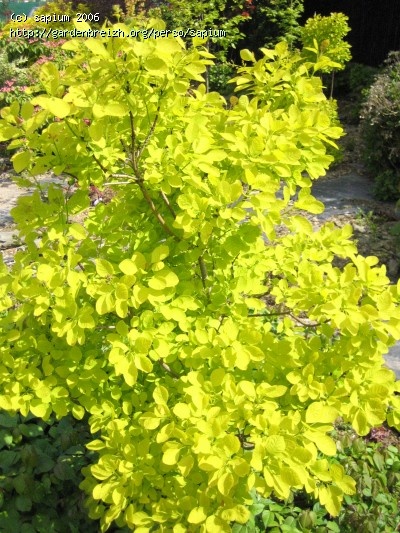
(197, 515)
(57, 107)
(104, 268)
(109, 110)
(21, 161)
(77, 231)
(23, 503)
(246, 55)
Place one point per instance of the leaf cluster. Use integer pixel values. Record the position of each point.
(325, 36)
(374, 507)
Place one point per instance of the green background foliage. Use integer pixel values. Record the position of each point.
(174, 317)
(380, 126)
(40, 470)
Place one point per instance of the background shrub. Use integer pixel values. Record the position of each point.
(380, 116)
(103, 7)
(40, 472)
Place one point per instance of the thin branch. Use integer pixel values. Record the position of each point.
(103, 168)
(314, 325)
(132, 179)
(287, 313)
(150, 203)
(167, 203)
(151, 131)
(221, 321)
(266, 315)
(203, 271)
(110, 183)
(168, 369)
(133, 139)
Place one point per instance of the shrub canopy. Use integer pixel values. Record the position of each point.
(212, 355)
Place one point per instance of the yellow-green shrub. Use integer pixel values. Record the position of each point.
(211, 363)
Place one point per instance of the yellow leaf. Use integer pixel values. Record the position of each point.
(323, 442)
(248, 388)
(96, 47)
(149, 421)
(121, 291)
(185, 465)
(160, 395)
(181, 410)
(39, 409)
(143, 363)
(226, 483)
(171, 456)
(128, 267)
(159, 253)
(274, 444)
(77, 231)
(210, 463)
(197, 515)
(104, 268)
(239, 514)
(320, 413)
(57, 107)
(331, 498)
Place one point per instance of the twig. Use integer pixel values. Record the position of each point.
(103, 168)
(151, 131)
(150, 202)
(203, 271)
(133, 138)
(287, 313)
(168, 369)
(167, 203)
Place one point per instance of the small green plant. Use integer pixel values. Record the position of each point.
(375, 466)
(14, 79)
(324, 37)
(387, 185)
(369, 220)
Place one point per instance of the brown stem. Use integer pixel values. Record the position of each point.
(151, 131)
(314, 325)
(203, 271)
(266, 315)
(150, 203)
(287, 313)
(103, 168)
(133, 138)
(168, 369)
(167, 203)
